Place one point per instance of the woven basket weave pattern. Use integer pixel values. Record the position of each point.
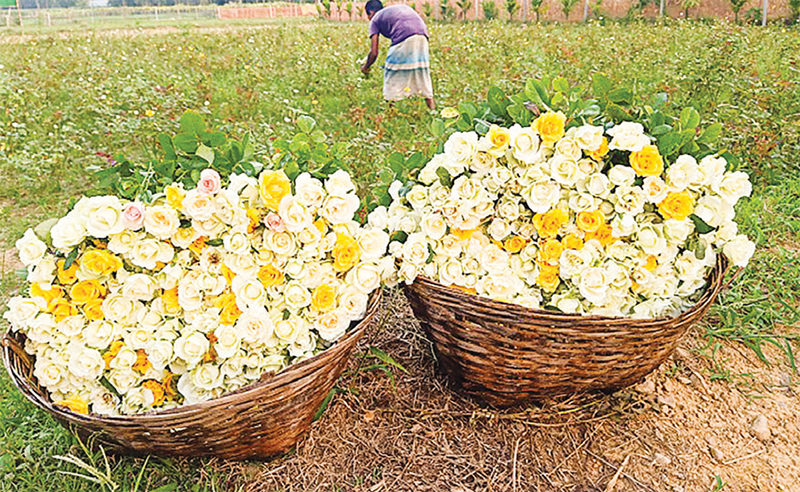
(256, 422)
(505, 354)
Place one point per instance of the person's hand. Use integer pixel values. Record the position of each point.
(365, 69)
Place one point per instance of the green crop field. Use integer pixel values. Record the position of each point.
(68, 101)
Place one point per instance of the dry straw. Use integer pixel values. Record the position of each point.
(505, 354)
(255, 422)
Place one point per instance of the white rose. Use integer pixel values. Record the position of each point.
(123, 242)
(415, 249)
(434, 226)
(714, 210)
(87, 364)
(288, 330)
(280, 243)
(525, 144)
(207, 377)
(565, 171)
(676, 231)
(628, 136)
(256, 327)
(249, 292)
(379, 218)
(689, 268)
(228, 341)
(120, 309)
(103, 216)
(309, 191)
(725, 232)
(712, 169)
(598, 185)
(427, 175)
(198, 206)
(365, 277)
(394, 191)
(340, 209)
(568, 149)
(160, 221)
(734, 186)
(372, 242)
(461, 147)
(191, 347)
(122, 380)
(237, 242)
(331, 325)
(339, 184)
(542, 196)
(159, 353)
(140, 286)
(31, 249)
(48, 372)
(22, 311)
(580, 202)
(655, 189)
(417, 197)
(622, 175)
(68, 232)
(684, 173)
(124, 360)
(295, 215)
(499, 229)
(624, 225)
(572, 263)
(629, 200)
(494, 259)
(353, 303)
(147, 253)
(451, 272)
(190, 392)
(589, 137)
(650, 239)
(739, 250)
(296, 296)
(594, 284)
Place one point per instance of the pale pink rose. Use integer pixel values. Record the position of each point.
(209, 183)
(274, 222)
(133, 215)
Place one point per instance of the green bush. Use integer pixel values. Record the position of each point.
(490, 9)
(512, 7)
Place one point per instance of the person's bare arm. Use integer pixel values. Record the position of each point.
(373, 53)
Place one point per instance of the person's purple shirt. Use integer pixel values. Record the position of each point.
(398, 23)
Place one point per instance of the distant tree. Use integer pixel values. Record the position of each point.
(446, 11)
(512, 7)
(794, 7)
(489, 9)
(736, 6)
(537, 6)
(427, 10)
(463, 8)
(567, 6)
(688, 4)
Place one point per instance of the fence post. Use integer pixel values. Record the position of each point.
(19, 14)
(765, 9)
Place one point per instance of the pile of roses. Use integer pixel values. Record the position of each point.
(540, 216)
(134, 307)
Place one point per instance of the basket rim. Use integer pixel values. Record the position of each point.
(713, 287)
(291, 373)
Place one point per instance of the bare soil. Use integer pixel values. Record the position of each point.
(685, 425)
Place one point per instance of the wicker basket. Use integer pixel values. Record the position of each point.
(505, 354)
(255, 422)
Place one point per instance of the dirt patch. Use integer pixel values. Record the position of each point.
(9, 261)
(677, 431)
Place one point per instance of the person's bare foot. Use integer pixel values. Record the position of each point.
(430, 102)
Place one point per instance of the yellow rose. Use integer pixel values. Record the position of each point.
(651, 264)
(76, 404)
(346, 253)
(548, 224)
(85, 291)
(550, 251)
(677, 205)
(49, 295)
(548, 278)
(572, 241)
(230, 312)
(198, 245)
(272, 187)
(157, 389)
(66, 277)
(321, 226)
(324, 298)
(93, 310)
(169, 385)
(647, 162)
(499, 136)
(112, 352)
(175, 195)
(462, 233)
(142, 364)
(514, 244)
(602, 234)
(100, 262)
(170, 300)
(211, 354)
(62, 309)
(550, 126)
(600, 152)
(255, 219)
(269, 275)
(590, 221)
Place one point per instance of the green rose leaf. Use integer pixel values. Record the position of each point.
(560, 84)
(701, 225)
(444, 177)
(186, 142)
(601, 85)
(621, 96)
(497, 101)
(192, 123)
(306, 123)
(690, 118)
(710, 134)
(437, 127)
(205, 153)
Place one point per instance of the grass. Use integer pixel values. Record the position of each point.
(67, 99)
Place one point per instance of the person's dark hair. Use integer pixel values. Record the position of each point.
(373, 6)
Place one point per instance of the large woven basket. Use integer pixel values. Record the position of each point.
(256, 422)
(505, 354)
